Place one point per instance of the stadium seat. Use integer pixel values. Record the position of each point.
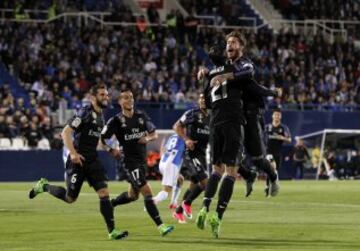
(43, 144)
(18, 144)
(5, 144)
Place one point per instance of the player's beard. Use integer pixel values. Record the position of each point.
(101, 105)
(236, 54)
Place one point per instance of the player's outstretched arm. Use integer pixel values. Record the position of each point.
(262, 90)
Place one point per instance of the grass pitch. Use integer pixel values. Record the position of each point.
(307, 215)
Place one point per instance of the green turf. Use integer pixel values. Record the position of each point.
(306, 215)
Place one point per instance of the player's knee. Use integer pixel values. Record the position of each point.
(203, 183)
(146, 190)
(103, 193)
(180, 181)
(168, 189)
(231, 171)
(133, 196)
(220, 169)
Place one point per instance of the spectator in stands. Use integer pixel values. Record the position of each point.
(153, 14)
(71, 59)
(13, 129)
(4, 129)
(24, 127)
(46, 129)
(33, 135)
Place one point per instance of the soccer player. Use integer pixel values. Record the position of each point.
(170, 164)
(227, 132)
(133, 129)
(277, 133)
(82, 162)
(253, 138)
(193, 128)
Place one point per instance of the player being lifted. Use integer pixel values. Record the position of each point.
(172, 153)
(227, 132)
(226, 91)
(253, 109)
(193, 127)
(82, 162)
(133, 129)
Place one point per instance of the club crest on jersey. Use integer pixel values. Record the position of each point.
(201, 117)
(141, 121)
(76, 122)
(123, 122)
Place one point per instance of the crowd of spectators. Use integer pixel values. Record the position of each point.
(116, 10)
(222, 12)
(59, 62)
(64, 5)
(18, 120)
(319, 9)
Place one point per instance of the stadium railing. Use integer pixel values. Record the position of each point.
(314, 26)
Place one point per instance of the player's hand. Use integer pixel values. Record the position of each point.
(77, 158)
(279, 92)
(190, 144)
(202, 73)
(216, 81)
(116, 153)
(143, 140)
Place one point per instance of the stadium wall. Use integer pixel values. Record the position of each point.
(299, 122)
(30, 165)
(34, 164)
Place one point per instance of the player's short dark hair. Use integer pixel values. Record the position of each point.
(95, 88)
(216, 55)
(237, 35)
(277, 110)
(127, 89)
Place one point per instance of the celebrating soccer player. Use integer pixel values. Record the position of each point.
(133, 129)
(82, 162)
(193, 128)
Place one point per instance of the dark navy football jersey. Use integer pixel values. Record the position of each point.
(197, 128)
(274, 145)
(87, 125)
(226, 98)
(128, 131)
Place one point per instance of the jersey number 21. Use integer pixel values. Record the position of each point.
(219, 92)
